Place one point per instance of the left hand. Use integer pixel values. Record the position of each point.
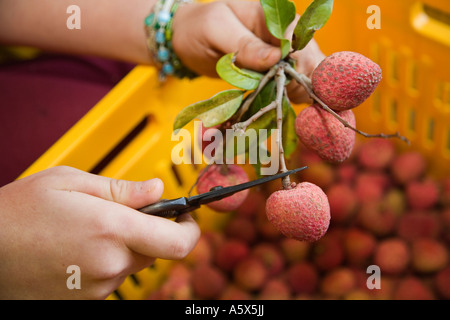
(204, 32)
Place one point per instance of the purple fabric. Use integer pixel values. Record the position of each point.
(41, 99)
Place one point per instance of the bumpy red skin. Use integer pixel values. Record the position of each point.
(213, 177)
(345, 79)
(321, 132)
(302, 213)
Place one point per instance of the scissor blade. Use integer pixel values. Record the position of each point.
(221, 193)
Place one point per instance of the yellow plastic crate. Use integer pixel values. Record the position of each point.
(127, 134)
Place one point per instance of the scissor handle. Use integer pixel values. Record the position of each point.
(167, 208)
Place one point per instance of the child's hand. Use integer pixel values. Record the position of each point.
(203, 33)
(62, 216)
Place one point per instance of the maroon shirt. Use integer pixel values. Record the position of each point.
(41, 99)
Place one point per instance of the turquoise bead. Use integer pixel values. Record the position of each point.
(164, 17)
(160, 37)
(163, 54)
(149, 20)
(167, 68)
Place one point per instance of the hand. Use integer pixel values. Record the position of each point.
(63, 216)
(235, 26)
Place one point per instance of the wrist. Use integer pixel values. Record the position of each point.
(159, 32)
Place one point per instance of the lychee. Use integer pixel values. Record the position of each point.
(413, 225)
(412, 288)
(407, 167)
(250, 274)
(271, 256)
(376, 218)
(376, 154)
(208, 281)
(293, 250)
(359, 246)
(422, 194)
(275, 289)
(338, 282)
(320, 131)
(302, 213)
(345, 79)
(429, 255)
(343, 202)
(442, 282)
(230, 253)
(225, 176)
(241, 228)
(328, 252)
(302, 277)
(392, 255)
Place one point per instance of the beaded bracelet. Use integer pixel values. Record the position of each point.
(158, 26)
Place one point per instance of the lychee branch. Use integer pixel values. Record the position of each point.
(242, 126)
(247, 103)
(306, 83)
(281, 82)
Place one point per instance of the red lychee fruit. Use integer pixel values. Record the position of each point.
(429, 255)
(359, 246)
(233, 292)
(230, 253)
(343, 202)
(178, 284)
(208, 281)
(302, 213)
(293, 250)
(345, 79)
(422, 194)
(370, 186)
(374, 217)
(376, 154)
(407, 167)
(202, 252)
(412, 288)
(225, 176)
(271, 256)
(207, 137)
(321, 132)
(338, 282)
(392, 255)
(442, 282)
(328, 252)
(250, 274)
(302, 277)
(413, 225)
(241, 228)
(275, 289)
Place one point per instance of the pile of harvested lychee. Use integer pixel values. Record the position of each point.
(357, 205)
(385, 211)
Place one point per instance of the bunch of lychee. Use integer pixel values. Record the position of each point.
(385, 211)
(301, 211)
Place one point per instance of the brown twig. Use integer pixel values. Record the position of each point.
(306, 83)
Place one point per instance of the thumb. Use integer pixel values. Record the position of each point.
(134, 194)
(255, 54)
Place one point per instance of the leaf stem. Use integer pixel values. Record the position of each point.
(243, 109)
(281, 81)
(243, 125)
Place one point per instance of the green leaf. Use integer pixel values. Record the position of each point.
(314, 18)
(279, 14)
(290, 138)
(213, 111)
(240, 78)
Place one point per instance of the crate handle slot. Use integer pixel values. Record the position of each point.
(431, 22)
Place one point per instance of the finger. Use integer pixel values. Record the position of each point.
(134, 194)
(159, 237)
(253, 52)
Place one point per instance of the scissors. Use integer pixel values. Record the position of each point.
(174, 207)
